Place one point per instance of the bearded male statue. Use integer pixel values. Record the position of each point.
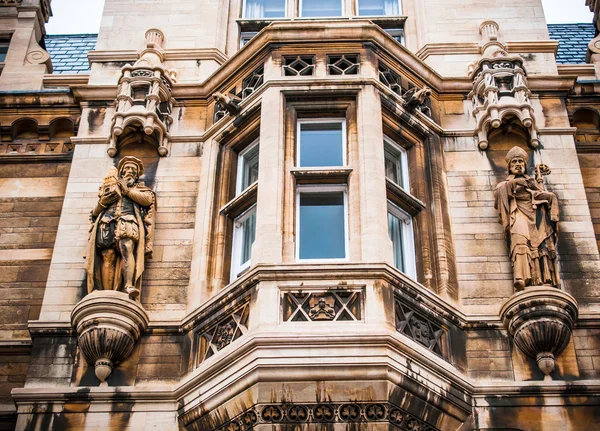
(122, 231)
(529, 215)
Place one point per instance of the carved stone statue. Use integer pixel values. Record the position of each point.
(529, 215)
(122, 232)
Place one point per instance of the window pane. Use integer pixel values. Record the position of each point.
(248, 233)
(321, 144)
(393, 165)
(395, 231)
(320, 8)
(322, 219)
(249, 168)
(265, 9)
(378, 7)
(3, 51)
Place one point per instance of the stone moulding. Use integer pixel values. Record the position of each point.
(500, 92)
(540, 319)
(108, 325)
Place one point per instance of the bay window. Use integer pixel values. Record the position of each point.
(244, 232)
(247, 173)
(396, 163)
(401, 234)
(258, 9)
(321, 229)
(320, 8)
(321, 143)
(378, 7)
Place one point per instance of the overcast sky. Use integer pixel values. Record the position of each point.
(83, 16)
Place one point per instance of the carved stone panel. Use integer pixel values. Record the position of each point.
(331, 305)
(222, 333)
(419, 327)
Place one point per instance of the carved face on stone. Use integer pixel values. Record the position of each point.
(517, 166)
(129, 171)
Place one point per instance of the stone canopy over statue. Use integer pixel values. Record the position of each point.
(122, 232)
(529, 215)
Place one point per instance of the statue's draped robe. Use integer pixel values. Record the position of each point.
(144, 218)
(529, 224)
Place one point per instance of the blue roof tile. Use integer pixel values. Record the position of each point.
(573, 41)
(69, 52)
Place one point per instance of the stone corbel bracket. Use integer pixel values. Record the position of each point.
(144, 96)
(108, 325)
(540, 320)
(500, 92)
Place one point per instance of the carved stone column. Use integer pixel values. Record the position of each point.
(540, 320)
(108, 325)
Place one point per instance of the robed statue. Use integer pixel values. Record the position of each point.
(529, 215)
(122, 231)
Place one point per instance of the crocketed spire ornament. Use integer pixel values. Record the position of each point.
(144, 100)
(500, 90)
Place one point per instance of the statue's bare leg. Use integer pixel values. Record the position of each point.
(109, 258)
(127, 248)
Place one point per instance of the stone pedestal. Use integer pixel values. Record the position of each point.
(540, 319)
(108, 325)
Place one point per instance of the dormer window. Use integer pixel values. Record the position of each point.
(259, 9)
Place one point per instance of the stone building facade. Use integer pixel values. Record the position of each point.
(323, 185)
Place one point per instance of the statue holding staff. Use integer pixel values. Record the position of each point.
(529, 215)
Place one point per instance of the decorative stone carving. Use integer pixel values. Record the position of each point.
(217, 336)
(299, 65)
(228, 102)
(292, 414)
(540, 320)
(322, 308)
(529, 214)
(108, 325)
(500, 88)
(122, 231)
(335, 305)
(37, 55)
(418, 327)
(144, 98)
(418, 99)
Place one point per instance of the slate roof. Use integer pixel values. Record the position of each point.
(573, 41)
(69, 52)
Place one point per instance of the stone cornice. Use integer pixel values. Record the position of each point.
(535, 46)
(170, 55)
(65, 80)
(576, 69)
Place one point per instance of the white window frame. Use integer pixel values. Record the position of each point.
(236, 243)
(240, 166)
(314, 188)
(285, 8)
(403, 162)
(246, 37)
(396, 32)
(319, 17)
(408, 239)
(358, 9)
(317, 121)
